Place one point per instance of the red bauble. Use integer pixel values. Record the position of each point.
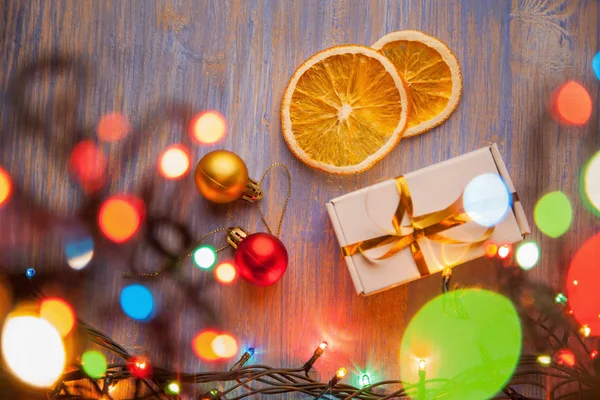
(261, 259)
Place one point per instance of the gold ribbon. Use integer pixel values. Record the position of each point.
(424, 226)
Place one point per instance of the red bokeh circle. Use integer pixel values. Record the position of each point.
(582, 285)
(88, 164)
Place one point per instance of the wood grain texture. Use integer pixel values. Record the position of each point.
(236, 57)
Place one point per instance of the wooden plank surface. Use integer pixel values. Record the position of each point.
(236, 57)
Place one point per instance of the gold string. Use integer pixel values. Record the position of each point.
(286, 202)
(188, 253)
(202, 239)
(175, 262)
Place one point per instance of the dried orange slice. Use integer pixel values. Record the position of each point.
(344, 109)
(431, 73)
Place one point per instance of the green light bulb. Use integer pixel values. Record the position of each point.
(560, 299)
(365, 381)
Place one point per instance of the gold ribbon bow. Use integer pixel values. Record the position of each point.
(424, 226)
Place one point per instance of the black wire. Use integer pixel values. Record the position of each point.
(278, 381)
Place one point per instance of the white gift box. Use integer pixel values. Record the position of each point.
(367, 214)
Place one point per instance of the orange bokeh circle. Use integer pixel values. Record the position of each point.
(120, 217)
(5, 186)
(59, 313)
(202, 345)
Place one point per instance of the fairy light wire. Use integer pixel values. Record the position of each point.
(277, 381)
(281, 380)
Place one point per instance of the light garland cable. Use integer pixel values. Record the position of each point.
(277, 381)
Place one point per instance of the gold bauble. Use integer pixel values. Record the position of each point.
(221, 176)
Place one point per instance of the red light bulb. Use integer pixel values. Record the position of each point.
(261, 259)
(140, 368)
(565, 357)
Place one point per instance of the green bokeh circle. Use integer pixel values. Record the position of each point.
(553, 214)
(470, 340)
(94, 364)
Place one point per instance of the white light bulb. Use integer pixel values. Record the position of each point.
(33, 350)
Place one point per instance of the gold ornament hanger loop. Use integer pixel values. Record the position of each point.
(234, 234)
(285, 203)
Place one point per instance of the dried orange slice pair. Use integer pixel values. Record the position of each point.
(347, 107)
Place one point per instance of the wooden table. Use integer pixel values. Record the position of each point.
(236, 57)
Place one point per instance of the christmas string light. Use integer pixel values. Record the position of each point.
(245, 357)
(318, 352)
(339, 375)
(163, 384)
(560, 299)
(273, 380)
(544, 360)
(243, 381)
(365, 381)
(422, 367)
(585, 330)
(173, 388)
(422, 393)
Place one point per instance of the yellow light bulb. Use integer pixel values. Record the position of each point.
(341, 372)
(422, 365)
(173, 388)
(545, 360)
(585, 330)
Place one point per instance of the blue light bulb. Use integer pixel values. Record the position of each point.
(30, 272)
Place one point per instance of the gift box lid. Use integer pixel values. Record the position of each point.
(366, 214)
